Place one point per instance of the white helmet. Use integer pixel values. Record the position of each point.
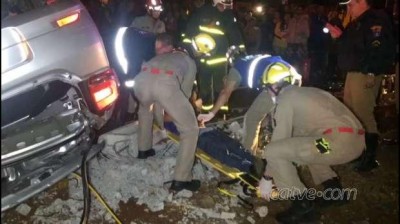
(154, 5)
(225, 3)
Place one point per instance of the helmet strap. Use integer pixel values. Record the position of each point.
(276, 92)
(280, 86)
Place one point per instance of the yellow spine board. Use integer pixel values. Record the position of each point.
(226, 170)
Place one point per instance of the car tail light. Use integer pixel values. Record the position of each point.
(68, 19)
(103, 89)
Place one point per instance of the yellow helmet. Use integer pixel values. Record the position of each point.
(203, 43)
(280, 72)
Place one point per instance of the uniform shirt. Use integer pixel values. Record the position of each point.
(147, 23)
(183, 67)
(367, 44)
(307, 111)
(240, 71)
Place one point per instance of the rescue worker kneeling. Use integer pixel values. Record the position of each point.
(168, 79)
(313, 128)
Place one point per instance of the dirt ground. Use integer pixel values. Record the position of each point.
(376, 201)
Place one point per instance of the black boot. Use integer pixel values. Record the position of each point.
(146, 154)
(333, 194)
(368, 161)
(302, 210)
(192, 185)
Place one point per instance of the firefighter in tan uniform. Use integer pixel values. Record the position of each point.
(313, 128)
(238, 76)
(168, 79)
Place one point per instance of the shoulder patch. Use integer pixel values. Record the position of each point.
(376, 43)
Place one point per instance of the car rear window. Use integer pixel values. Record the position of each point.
(16, 7)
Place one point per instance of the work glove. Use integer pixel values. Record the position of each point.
(205, 117)
(265, 188)
(163, 134)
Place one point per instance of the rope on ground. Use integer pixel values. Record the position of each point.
(101, 200)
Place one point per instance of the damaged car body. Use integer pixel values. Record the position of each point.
(57, 90)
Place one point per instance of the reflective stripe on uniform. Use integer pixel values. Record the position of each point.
(344, 130)
(157, 71)
(226, 108)
(207, 107)
(211, 30)
(187, 40)
(216, 61)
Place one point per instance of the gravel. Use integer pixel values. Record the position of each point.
(118, 176)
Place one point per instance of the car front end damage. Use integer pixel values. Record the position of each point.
(46, 131)
(57, 90)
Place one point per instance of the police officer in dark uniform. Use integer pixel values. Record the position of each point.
(217, 22)
(366, 51)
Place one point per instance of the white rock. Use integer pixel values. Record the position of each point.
(230, 222)
(262, 211)
(211, 213)
(170, 196)
(117, 195)
(23, 209)
(227, 215)
(251, 220)
(184, 194)
(108, 217)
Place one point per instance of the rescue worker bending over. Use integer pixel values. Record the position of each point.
(244, 70)
(310, 127)
(151, 22)
(168, 79)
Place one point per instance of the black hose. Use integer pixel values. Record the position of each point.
(86, 194)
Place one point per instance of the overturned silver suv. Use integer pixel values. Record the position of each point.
(57, 88)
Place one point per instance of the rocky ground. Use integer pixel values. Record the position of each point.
(135, 190)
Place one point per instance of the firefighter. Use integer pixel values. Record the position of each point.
(310, 127)
(167, 79)
(212, 28)
(244, 70)
(366, 51)
(151, 22)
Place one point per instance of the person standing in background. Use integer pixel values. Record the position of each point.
(366, 51)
